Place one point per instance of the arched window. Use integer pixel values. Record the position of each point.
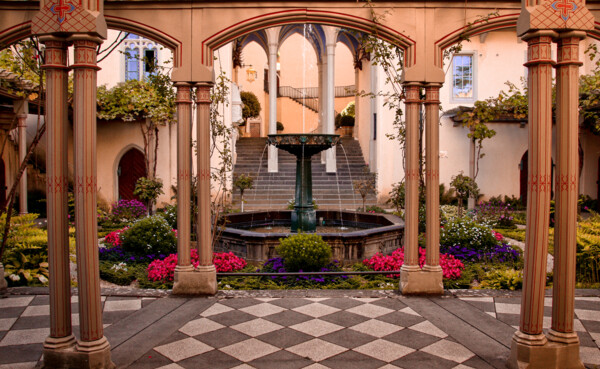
(132, 64)
(131, 167)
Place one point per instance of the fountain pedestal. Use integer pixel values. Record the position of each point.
(303, 146)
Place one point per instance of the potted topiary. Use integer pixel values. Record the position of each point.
(280, 127)
(243, 182)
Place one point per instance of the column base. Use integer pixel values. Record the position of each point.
(535, 351)
(201, 281)
(272, 164)
(3, 283)
(330, 160)
(84, 355)
(417, 281)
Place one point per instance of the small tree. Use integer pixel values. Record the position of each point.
(365, 185)
(251, 106)
(397, 196)
(465, 187)
(148, 190)
(243, 182)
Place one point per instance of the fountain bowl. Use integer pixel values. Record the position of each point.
(372, 233)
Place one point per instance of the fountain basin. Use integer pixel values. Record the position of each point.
(375, 233)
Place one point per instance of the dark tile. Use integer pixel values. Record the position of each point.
(547, 310)
(2, 334)
(352, 360)
(284, 338)
(508, 300)
(121, 298)
(213, 359)
(75, 307)
(510, 319)
(477, 363)
(412, 339)
(586, 340)
(389, 303)
(11, 312)
(20, 353)
(150, 360)
(240, 303)
(591, 326)
(281, 359)
(341, 303)
(348, 338)
(423, 360)
(344, 318)
(40, 300)
(145, 303)
(291, 303)
(401, 319)
(222, 337)
(32, 322)
(287, 318)
(587, 305)
(482, 305)
(177, 336)
(111, 317)
(231, 318)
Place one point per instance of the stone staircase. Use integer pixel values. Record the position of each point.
(274, 190)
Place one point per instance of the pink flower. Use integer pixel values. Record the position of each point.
(164, 270)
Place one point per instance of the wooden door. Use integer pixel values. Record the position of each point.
(131, 167)
(598, 184)
(523, 169)
(2, 184)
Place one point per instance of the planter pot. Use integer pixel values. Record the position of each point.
(3, 283)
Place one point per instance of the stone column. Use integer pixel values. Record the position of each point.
(331, 40)
(184, 185)
(206, 280)
(567, 186)
(530, 336)
(22, 129)
(92, 342)
(61, 336)
(434, 274)
(410, 270)
(273, 166)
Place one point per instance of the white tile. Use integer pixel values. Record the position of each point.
(449, 350)
(478, 299)
(243, 366)
(256, 327)
(15, 301)
(369, 310)
(588, 314)
(25, 336)
(249, 350)
(317, 299)
(75, 299)
(122, 305)
(376, 328)
(594, 299)
(491, 313)
(171, 366)
(461, 366)
(316, 327)
(316, 349)
(262, 310)
(316, 310)
(366, 300)
(6, 323)
(216, 309)
(27, 365)
(36, 310)
(502, 308)
(409, 311)
(183, 349)
(316, 366)
(596, 337)
(589, 355)
(384, 350)
(547, 301)
(577, 326)
(428, 328)
(200, 326)
(389, 366)
(267, 299)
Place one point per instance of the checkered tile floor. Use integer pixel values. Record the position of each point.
(310, 333)
(25, 324)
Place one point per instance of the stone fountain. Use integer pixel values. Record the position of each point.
(303, 146)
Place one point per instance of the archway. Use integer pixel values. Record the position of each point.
(132, 166)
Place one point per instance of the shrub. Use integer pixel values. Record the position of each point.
(507, 279)
(497, 213)
(151, 235)
(374, 209)
(169, 212)
(468, 233)
(114, 237)
(228, 262)
(465, 188)
(118, 273)
(250, 105)
(148, 189)
(128, 210)
(306, 252)
(280, 126)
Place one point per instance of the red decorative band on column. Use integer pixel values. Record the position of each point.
(432, 174)
(85, 54)
(412, 174)
(539, 50)
(204, 175)
(203, 94)
(432, 95)
(184, 175)
(57, 184)
(55, 56)
(184, 94)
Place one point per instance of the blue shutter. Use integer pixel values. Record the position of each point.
(132, 64)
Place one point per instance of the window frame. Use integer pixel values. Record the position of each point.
(473, 98)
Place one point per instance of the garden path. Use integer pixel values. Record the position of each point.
(295, 329)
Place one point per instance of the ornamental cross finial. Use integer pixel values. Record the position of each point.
(62, 9)
(565, 7)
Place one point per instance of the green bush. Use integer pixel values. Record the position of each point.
(169, 212)
(374, 209)
(506, 279)
(120, 274)
(151, 235)
(467, 233)
(306, 252)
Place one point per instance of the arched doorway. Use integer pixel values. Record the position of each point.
(598, 184)
(131, 167)
(2, 184)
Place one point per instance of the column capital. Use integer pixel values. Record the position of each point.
(540, 33)
(539, 47)
(184, 94)
(412, 92)
(203, 92)
(55, 52)
(432, 93)
(568, 49)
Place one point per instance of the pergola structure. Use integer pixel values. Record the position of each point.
(193, 29)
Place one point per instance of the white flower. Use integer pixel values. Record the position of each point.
(43, 279)
(14, 277)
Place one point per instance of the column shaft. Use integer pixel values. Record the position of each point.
(273, 152)
(203, 141)
(184, 175)
(56, 192)
(411, 211)
(538, 183)
(22, 128)
(432, 175)
(330, 162)
(84, 126)
(567, 184)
